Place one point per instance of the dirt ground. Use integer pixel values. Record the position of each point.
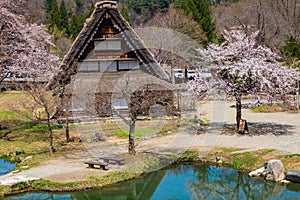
(279, 131)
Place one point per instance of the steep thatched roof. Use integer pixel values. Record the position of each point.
(121, 82)
(69, 65)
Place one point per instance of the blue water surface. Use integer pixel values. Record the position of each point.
(185, 181)
(6, 167)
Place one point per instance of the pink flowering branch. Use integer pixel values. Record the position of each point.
(24, 47)
(247, 68)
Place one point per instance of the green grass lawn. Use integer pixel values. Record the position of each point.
(10, 106)
(8, 115)
(267, 108)
(10, 98)
(139, 132)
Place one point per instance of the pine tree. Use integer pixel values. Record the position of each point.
(54, 16)
(205, 18)
(90, 11)
(76, 24)
(125, 14)
(63, 24)
(292, 48)
(48, 6)
(201, 12)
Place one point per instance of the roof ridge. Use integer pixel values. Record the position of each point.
(68, 66)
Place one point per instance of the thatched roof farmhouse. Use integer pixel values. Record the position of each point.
(106, 60)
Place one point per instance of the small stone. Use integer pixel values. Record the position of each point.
(28, 157)
(285, 182)
(24, 167)
(293, 175)
(97, 137)
(257, 173)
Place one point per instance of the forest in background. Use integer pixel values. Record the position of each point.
(278, 21)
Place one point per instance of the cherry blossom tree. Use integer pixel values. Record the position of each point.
(24, 47)
(246, 68)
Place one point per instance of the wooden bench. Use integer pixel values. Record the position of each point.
(92, 164)
(117, 160)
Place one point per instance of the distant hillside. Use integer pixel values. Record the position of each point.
(277, 20)
(278, 23)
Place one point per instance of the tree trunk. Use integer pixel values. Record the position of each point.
(3, 77)
(50, 136)
(131, 147)
(67, 130)
(238, 99)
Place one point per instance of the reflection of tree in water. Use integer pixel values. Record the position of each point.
(190, 181)
(40, 196)
(139, 188)
(226, 183)
(180, 169)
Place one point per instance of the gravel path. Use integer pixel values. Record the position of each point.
(269, 130)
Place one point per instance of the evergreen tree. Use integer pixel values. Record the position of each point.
(63, 24)
(79, 6)
(54, 16)
(201, 12)
(79, 3)
(205, 18)
(90, 11)
(292, 48)
(291, 52)
(125, 14)
(48, 6)
(76, 24)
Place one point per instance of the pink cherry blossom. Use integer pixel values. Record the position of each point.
(24, 47)
(246, 68)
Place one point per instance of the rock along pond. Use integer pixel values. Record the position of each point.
(185, 181)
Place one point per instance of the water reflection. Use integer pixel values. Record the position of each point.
(226, 183)
(184, 182)
(6, 167)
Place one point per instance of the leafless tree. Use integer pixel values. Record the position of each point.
(140, 94)
(275, 19)
(45, 107)
(173, 37)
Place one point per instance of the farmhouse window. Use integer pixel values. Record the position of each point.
(108, 44)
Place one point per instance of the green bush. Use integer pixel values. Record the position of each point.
(267, 108)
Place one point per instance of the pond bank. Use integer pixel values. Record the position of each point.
(243, 162)
(181, 181)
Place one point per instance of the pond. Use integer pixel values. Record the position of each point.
(183, 182)
(6, 167)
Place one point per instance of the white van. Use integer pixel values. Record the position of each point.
(178, 73)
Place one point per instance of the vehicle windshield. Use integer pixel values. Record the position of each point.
(178, 71)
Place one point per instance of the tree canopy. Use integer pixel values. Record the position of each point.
(24, 47)
(200, 10)
(291, 51)
(247, 68)
(59, 18)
